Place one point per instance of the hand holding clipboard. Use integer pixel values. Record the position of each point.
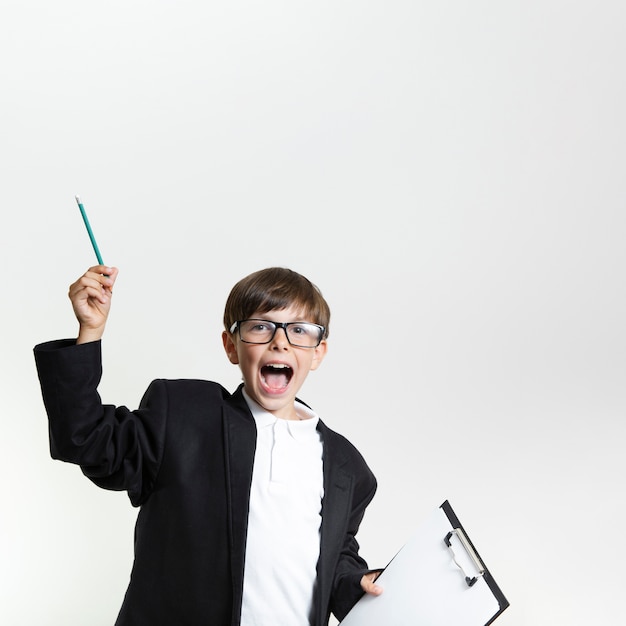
(436, 579)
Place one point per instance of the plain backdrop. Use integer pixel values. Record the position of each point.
(450, 174)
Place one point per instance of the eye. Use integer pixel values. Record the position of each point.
(304, 330)
(256, 328)
(259, 327)
(299, 330)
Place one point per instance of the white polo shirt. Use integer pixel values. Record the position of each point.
(283, 541)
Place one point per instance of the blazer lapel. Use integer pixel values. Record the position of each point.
(335, 513)
(240, 445)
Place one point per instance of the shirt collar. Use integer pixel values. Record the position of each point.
(301, 429)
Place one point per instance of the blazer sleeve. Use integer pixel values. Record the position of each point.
(116, 448)
(351, 566)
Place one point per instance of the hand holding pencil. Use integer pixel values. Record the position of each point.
(91, 293)
(91, 300)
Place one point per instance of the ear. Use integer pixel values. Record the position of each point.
(319, 354)
(230, 347)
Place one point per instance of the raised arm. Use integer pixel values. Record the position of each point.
(115, 447)
(91, 300)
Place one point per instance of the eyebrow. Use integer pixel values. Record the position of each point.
(296, 321)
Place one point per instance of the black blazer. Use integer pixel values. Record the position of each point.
(185, 458)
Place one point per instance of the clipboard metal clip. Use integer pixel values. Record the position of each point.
(470, 580)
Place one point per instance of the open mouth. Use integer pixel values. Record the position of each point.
(276, 376)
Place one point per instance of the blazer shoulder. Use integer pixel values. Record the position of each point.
(344, 451)
(193, 384)
(189, 391)
(337, 439)
(196, 393)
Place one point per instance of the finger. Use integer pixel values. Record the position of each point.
(369, 586)
(80, 292)
(110, 278)
(96, 282)
(103, 273)
(88, 282)
(91, 285)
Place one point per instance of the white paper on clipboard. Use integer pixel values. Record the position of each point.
(429, 583)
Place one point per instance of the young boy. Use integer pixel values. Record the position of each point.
(249, 504)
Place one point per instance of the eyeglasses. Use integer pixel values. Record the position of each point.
(299, 334)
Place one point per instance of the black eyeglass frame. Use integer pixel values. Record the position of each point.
(277, 325)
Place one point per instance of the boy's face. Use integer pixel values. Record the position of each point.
(274, 372)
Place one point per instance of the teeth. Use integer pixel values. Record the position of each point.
(279, 366)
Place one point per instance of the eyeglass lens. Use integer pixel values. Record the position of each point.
(302, 334)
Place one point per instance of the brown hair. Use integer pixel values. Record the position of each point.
(275, 288)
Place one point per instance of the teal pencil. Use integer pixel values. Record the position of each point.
(93, 239)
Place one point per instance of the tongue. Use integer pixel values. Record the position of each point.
(275, 379)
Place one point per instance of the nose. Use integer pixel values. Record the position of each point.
(279, 339)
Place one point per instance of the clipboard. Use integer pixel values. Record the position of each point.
(436, 579)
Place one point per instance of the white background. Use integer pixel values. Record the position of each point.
(450, 174)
